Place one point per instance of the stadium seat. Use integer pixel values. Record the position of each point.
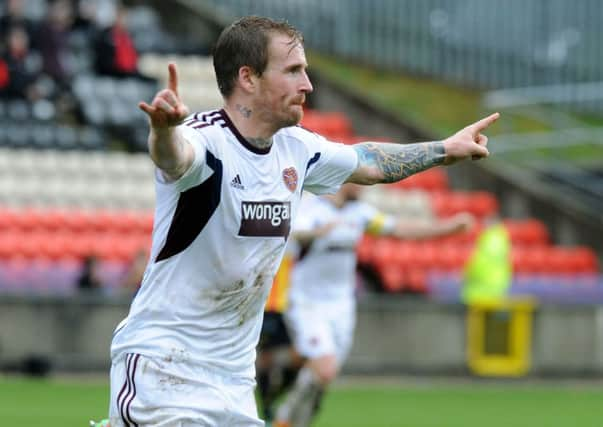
(527, 232)
(430, 180)
(583, 260)
(7, 219)
(385, 252)
(404, 254)
(482, 204)
(416, 280)
(392, 278)
(364, 250)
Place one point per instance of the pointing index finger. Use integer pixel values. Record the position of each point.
(173, 78)
(485, 122)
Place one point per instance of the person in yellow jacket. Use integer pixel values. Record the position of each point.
(488, 272)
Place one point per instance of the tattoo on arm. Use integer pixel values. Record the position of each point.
(398, 161)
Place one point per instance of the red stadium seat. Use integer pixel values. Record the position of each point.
(78, 221)
(7, 219)
(28, 219)
(146, 222)
(482, 204)
(450, 257)
(583, 260)
(8, 243)
(392, 278)
(416, 281)
(28, 244)
(537, 259)
(364, 250)
(102, 220)
(430, 180)
(535, 232)
(384, 253)
(79, 245)
(559, 260)
(425, 256)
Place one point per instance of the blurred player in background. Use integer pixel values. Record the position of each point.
(228, 185)
(321, 314)
(277, 361)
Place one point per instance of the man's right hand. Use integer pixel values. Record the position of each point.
(167, 109)
(469, 142)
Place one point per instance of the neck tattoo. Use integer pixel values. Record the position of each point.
(261, 143)
(245, 112)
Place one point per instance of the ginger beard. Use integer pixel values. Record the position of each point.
(283, 86)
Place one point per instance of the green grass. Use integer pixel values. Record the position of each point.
(62, 403)
(51, 403)
(428, 104)
(462, 406)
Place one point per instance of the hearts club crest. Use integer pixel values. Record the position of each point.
(290, 178)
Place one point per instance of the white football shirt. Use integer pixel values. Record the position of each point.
(218, 238)
(325, 271)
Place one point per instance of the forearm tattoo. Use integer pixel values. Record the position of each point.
(398, 161)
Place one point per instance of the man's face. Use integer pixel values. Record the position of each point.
(284, 84)
(18, 42)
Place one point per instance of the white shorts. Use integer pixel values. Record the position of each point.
(321, 329)
(159, 392)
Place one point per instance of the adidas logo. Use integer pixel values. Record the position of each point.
(236, 182)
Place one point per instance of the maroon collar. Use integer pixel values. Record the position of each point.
(240, 137)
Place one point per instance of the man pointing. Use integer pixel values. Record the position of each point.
(184, 356)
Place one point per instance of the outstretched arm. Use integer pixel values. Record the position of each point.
(408, 229)
(306, 237)
(384, 163)
(168, 149)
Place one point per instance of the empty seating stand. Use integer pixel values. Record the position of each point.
(59, 205)
(47, 178)
(42, 250)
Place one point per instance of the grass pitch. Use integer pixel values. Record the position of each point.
(71, 403)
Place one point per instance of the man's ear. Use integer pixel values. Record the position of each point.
(247, 79)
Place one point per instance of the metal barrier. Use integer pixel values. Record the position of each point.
(532, 53)
(481, 43)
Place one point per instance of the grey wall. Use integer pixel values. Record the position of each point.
(73, 332)
(423, 337)
(392, 336)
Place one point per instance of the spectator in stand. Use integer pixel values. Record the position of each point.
(52, 40)
(19, 69)
(133, 276)
(4, 76)
(116, 54)
(14, 17)
(90, 278)
(85, 13)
